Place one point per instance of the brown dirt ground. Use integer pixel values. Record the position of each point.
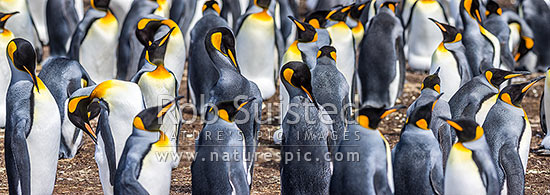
(81, 175)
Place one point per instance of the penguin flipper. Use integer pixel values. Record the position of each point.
(81, 30)
(400, 42)
(487, 170)
(240, 22)
(436, 179)
(543, 114)
(177, 10)
(513, 169)
(104, 130)
(19, 160)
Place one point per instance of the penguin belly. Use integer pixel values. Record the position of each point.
(38, 10)
(176, 54)
(461, 171)
(156, 169)
(43, 141)
(71, 135)
(394, 85)
(485, 107)
(424, 36)
(5, 75)
(524, 144)
(342, 40)
(256, 52)
(450, 82)
(515, 37)
(98, 49)
(21, 24)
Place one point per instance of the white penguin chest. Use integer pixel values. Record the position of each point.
(98, 50)
(444, 59)
(156, 89)
(256, 46)
(485, 107)
(524, 144)
(156, 169)
(462, 171)
(176, 54)
(342, 41)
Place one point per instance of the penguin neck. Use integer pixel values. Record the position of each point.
(325, 61)
(160, 72)
(294, 92)
(221, 61)
(210, 11)
(263, 15)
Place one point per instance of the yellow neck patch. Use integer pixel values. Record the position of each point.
(160, 73)
(262, 16)
(163, 140)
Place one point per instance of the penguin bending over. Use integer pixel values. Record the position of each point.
(230, 176)
(304, 137)
(94, 41)
(5, 74)
(470, 168)
(381, 67)
(509, 133)
(140, 171)
(74, 77)
(117, 103)
(32, 125)
(341, 37)
(450, 58)
(61, 24)
(22, 25)
(417, 164)
(372, 172)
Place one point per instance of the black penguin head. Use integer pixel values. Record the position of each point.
(213, 5)
(264, 4)
(22, 57)
(151, 118)
(297, 75)
(100, 4)
(79, 114)
(432, 82)
(357, 10)
(421, 116)
(146, 29)
(493, 8)
(156, 50)
(228, 110)
(472, 7)
(390, 5)
(222, 40)
(497, 76)
(450, 33)
(305, 32)
(370, 117)
(327, 51)
(317, 19)
(4, 18)
(339, 14)
(525, 45)
(466, 129)
(513, 94)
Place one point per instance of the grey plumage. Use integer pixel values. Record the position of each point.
(60, 25)
(537, 14)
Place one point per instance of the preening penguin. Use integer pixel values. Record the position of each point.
(5, 74)
(470, 168)
(341, 37)
(230, 176)
(22, 25)
(417, 164)
(202, 74)
(140, 171)
(381, 50)
(257, 49)
(117, 103)
(32, 125)
(61, 24)
(508, 133)
(372, 172)
(450, 59)
(537, 15)
(74, 77)
(94, 42)
(305, 131)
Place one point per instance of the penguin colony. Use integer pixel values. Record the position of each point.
(339, 68)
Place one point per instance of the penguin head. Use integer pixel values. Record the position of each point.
(102, 5)
(339, 14)
(222, 40)
(317, 19)
(79, 113)
(513, 94)
(525, 45)
(151, 118)
(357, 10)
(432, 82)
(4, 18)
(297, 75)
(421, 116)
(228, 110)
(146, 29)
(497, 76)
(450, 33)
(493, 8)
(156, 50)
(327, 52)
(370, 117)
(390, 5)
(22, 59)
(472, 7)
(305, 32)
(466, 130)
(264, 4)
(211, 5)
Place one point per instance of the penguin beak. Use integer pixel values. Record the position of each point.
(164, 109)
(33, 77)
(245, 103)
(441, 27)
(88, 129)
(308, 90)
(531, 83)
(452, 123)
(437, 71)
(7, 16)
(298, 23)
(392, 110)
(516, 74)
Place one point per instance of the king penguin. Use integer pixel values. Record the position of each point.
(355, 23)
(381, 50)
(61, 24)
(74, 77)
(421, 36)
(498, 26)
(372, 173)
(537, 15)
(470, 168)
(140, 170)
(342, 39)
(257, 49)
(544, 147)
(417, 164)
(37, 9)
(94, 42)
(117, 102)
(230, 176)
(32, 125)
(509, 133)
(5, 37)
(202, 74)
(450, 58)
(319, 21)
(22, 25)
(521, 41)
(305, 131)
